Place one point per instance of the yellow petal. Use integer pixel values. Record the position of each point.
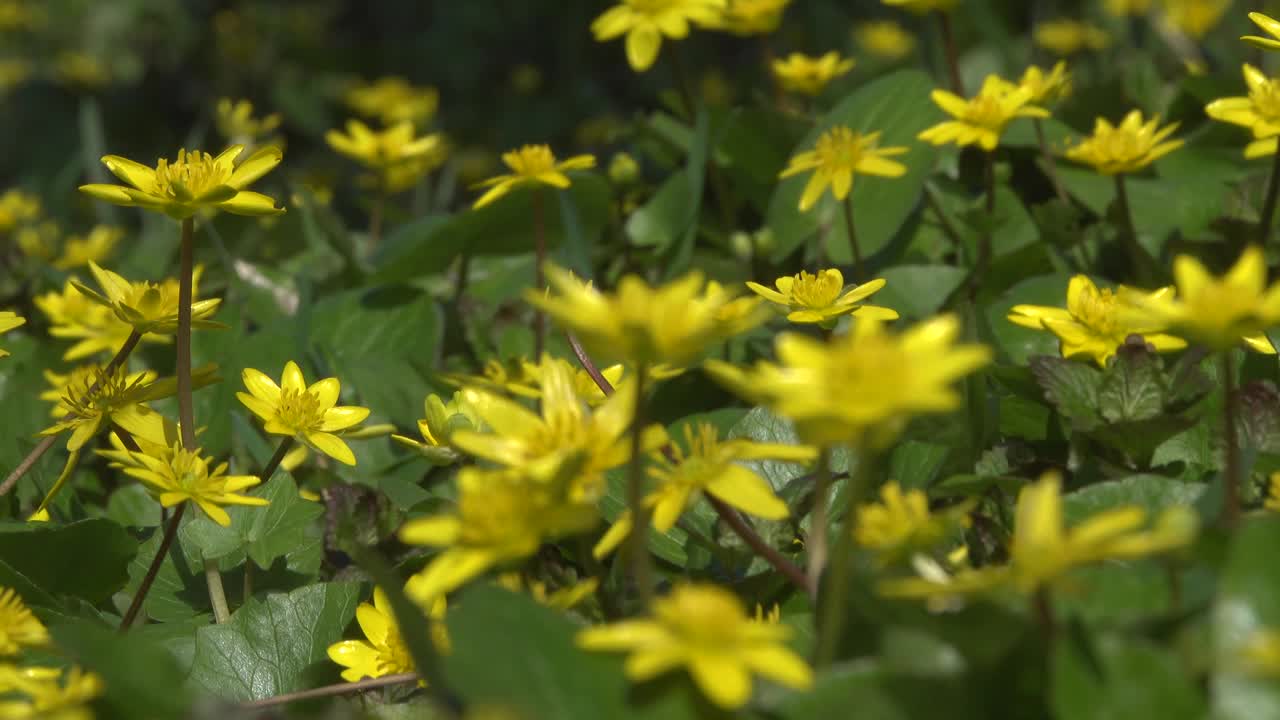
(643, 43)
(722, 678)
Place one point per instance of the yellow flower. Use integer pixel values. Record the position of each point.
(308, 413)
(709, 465)
(73, 315)
(45, 693)
(839, 155)
(118, 399)
(1122, 8)
(1195, 17)
(1068, 37)
(524, 379)
(1047, 89)
(562, 599)
(1260, 654)
(177, 475)
(8, 321)
(531, 164)
(981, 120)
(1220, 311)
(438, 426)
(236, 123)
(705, 629)
(645, 22)
(901, 523)
(79, 376)
(821, 298)
(193, 182)
(565, 434)
(800, 73)
(38, 241)
(921, 7)
(751, 17)
(1125, 148)
(146, 306)
(862, 386)
(81, 69)
(391, 152)
(18, 627)
(1270, 26)
(1260, 111)
(641, 324)
(884, 39)
(394, 100)
(1096, 322)
(95, 247)
(17, 207)
(383, 651)
(500, 516)
(1273, 493)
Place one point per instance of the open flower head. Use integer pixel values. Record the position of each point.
(47, 693)
(8, 321)
(386, 150)
(901, 523)
(821, 298)
(16, 208)
(177, 475)
(97, 246)
(884, 39)
(982, 119)
(193, 182)
(1195, 18)
(383, 651)
(800, 73)
(646, 22)
(308, 413)
(149, 307)
(921, 7)
(839, 156)
(1068, 37)
(1219, 311)
(1268, 25)
(708, 465)
(38, 241)
(394, 100)
(1259, 111)
(523, 378)
(1046, 88)
(703, 629)
(751, 17)
(118, 397)
(19, 628)
(531, 164)
(1096, 322)
(73, 315)
(437, 428)
(862, 386)
(235, 121)
(1125, 148)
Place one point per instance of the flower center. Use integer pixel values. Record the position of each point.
(532, 160)
(703, 619)
(193, 173)
(1122, 145)
(840, 148)
(1098, 311)
(816, 291)
(1266, 100)
(89, 402)
(151, 300)
(986, 111)
(299, 409)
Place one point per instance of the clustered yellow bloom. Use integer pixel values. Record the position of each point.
(560, 599)
(146, 306)
(534, 164)
(394, 100)
(17, 207)
(1068, 37)
(1125, 148)
(704, 629)
(8, 321)
(1122, 8)
(1219, 312)
(383, 651)
(117, 397)
(901, 523)
(73, 315)
(19, 628)
(175, 475)
(884, 39)
(1096, 322)
(921, 7)
(982, 119)
(397, 158)
(309, 414)
(1046, 88)
(437, 428)
(38, 240)
(839, 156)
(751, 17)
(1195, 17)
(1259, 111)
(236, 123)
(95, 247)
(46, 693)
(800, 73)
(646, 22)
(821, 298)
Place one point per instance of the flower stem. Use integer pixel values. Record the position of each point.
(285, 446)
(170, 532)
(817, 543)
(953, 52)
(375, 217)
(1269, 205)
(858, 275)
(39, 450)
(832, 603)
(1042, 604)
(343, 688)
(1231, 468)
(637, 542)
(1129, 233)
(539, 257)
(217, 596)
(1050, 165)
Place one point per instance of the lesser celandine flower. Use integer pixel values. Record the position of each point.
(193, 182)
(1122, 8)
(703, 629)
(500, 516)
(8, 321)
(1096, 322)
(117, 398)
(177, 475)
(561, 599)
(47, 693)
(17, 207)
(389, 150)
(864, 385)
(839, 156)
(1195, 17)
(97, 246)
(78, 376)
(884, 39)
(146, 306)
(19, 628)
(309, 414)
(900, 523)
(1125, 148)
(982, 119)
(383, 651)
(1218, 311)
(800, 73)
(38, 240)
(73, 315)
(235, 121)
(646, 22)
(531, 164)
(921, 7)
(1068, 37)
(523, 378)
(394, 100)
(821, 298)
(751, 17)
(1259, 111)
(1046, 88)
(708, 465)
(1270, 26)
(437, 428)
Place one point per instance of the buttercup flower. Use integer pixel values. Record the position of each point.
(1046, 88)
(921, 7)
(705, 629)
(1270, 26)
(981, 120)
(884, 39)
(45, 693)
(1195, 17)
(751, 17)
(437, 428)
(1125, 148)
(236, 123)
(821, 298)
(839, 156)
(8, 321)
(1096, 322)
(95, 247)
(149, 307)
(1220, 311)
(73, 315)
(1259, 111)
(800, 73)
(17, 207)
(193, 182)
(390, 153)
(1273, 493)
(561, 599)
(645, 22)
(19, 628)
(708, 465)
(531, 164)
(1122, 8)
(81, 70)
(38, 240)
(901, 522)
(383, 651)
(394, 100)
(117, 397)
(862, 386)
(177, 475)
(1068, 37)
(308, 413)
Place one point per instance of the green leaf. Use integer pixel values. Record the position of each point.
(1120, 678)
(142, 679)
(178, 592)
(1152, 493)
(287, 528)
(88, 559)
(1014, 343)
(896, 105)
(1072, 387)
(275, 644)
(880, 694)
(917, 291)
(1133, 386)
(1248, 603)
(915, 464)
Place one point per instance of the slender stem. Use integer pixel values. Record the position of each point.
(817, 542)
(170, 532)
(1129, 233)
(1269, 205)
(833, 602)
(984, 238)
(858, 275)
(248, 582)
(1042, 604)
(375, 216)
(1050, 165)
(637, 543)
(1231, 468)
(332, 690)
(464, 275)
(540, 257)
(40, 449)
(217, 595)
(285, 446)
(953, 53)
(186, 410)
(585, 360)
(931, 198)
